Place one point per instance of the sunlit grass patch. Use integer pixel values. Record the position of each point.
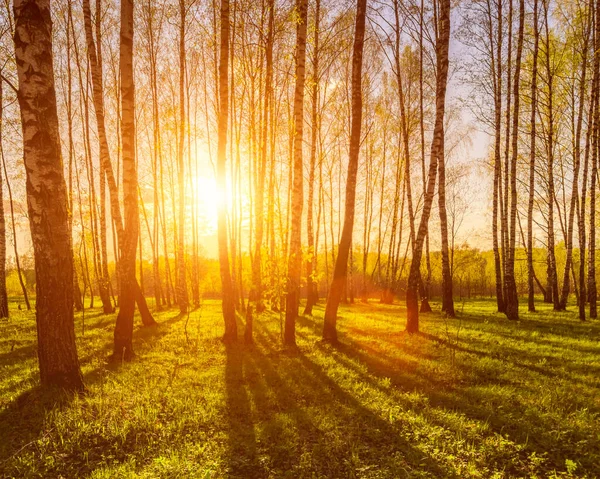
(476, 396)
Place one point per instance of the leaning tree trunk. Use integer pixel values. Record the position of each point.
(115, 209)
(47, 203)
(123, 336)
(295, 252)
(512, 299)
(95, 58)
(104, 275)
(226, 281)
(404, 128)
(576, 167)
(14, 235)
(341, 265)
(442, 45)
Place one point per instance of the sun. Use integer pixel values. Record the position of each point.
(208, 197)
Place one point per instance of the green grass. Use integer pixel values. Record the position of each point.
(477, 396)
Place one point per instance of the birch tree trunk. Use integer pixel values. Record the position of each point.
(297, 201)
(226, 282)
(340, 271)
(182, 293)
(512, 300)
(442, 45)
(591, 282)
(552, 290)
(256, 293)
(123, 335)
(77, 296)
(576, 167)
(105, 160)
(311, 284)
(496, 208)
(46, 196)
(532, 154)
(95, 58)
(3, 294)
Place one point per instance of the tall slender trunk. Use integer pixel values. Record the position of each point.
(256, 293)
(441, 47)
(297, 201)
(158, 290)
(105, 161)
(551, 256)
(193, 168)
(169, 279)
(497, 69)
(576, 167)
(14, 235)
(228, 302)
(311, 284)
(584, 180)
(532, 155)
(590, 293)
(447, 297)
(427, 288)
(591, 286)
(123, 335)
(104, 274)
(504, 188)
(512, 299)
(591, 282)
(83, 258)
(182, 293)
(89, 170)
(77, 296)
(46, 196)
(400, 193)
(3, 293)
(95, 57)
(341, 266)
(406, 148)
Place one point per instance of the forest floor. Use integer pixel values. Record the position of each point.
(476, 396)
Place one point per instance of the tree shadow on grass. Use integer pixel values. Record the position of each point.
(527, 427)
(565, 324)
(509, 350)
(504, 404)
(555, 366)
(23, 420)
(307, 424)
(241, 458)
(18, 354)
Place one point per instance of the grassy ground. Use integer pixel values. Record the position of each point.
(473, 397)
